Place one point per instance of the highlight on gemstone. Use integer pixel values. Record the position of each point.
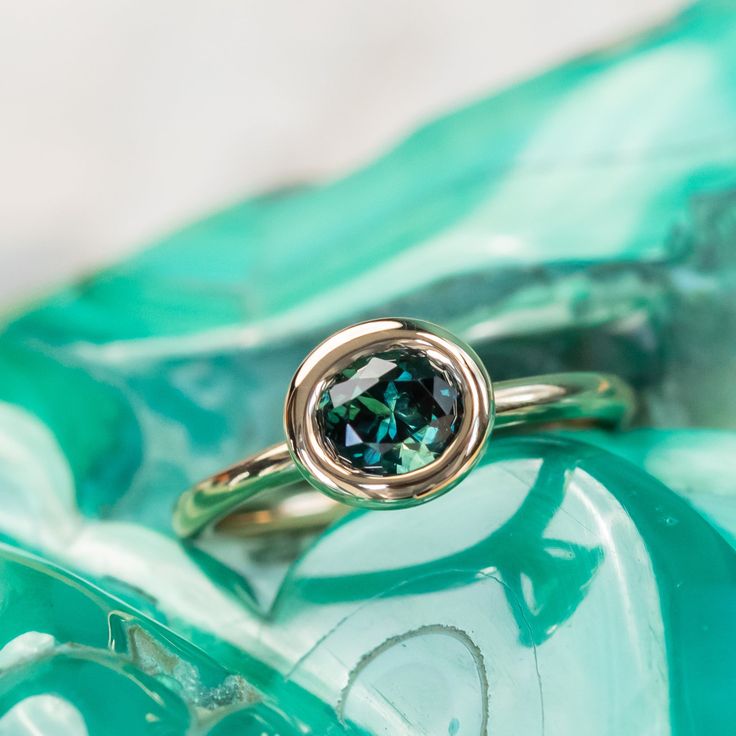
(390, 412)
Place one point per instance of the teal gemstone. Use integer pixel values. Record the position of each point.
(390, 412)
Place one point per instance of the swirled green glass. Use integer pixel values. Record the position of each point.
(573, 584)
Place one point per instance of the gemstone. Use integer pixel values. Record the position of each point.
(390, 412)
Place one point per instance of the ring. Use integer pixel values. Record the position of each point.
(385, 414)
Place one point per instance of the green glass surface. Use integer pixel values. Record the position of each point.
(574, 583)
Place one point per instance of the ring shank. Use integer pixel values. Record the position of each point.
(230, 499)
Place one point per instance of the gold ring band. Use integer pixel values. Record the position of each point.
(267, 491)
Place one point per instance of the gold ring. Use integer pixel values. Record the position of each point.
(386, 414)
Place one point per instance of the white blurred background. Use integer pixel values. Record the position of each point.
(120, 120)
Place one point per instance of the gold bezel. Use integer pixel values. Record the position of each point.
(352, 486)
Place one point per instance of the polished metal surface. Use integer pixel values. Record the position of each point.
(233, 500)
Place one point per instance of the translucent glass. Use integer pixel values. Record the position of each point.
(575, 583)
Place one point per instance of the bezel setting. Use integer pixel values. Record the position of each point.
(331, 475)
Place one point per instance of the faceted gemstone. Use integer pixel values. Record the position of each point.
(390, 412)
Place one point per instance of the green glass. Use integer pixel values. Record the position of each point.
(576, 583)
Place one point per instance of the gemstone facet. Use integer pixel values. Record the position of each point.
(390, 412)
